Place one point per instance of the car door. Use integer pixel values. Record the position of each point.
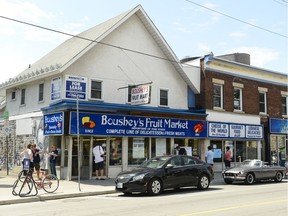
(174, 174)
(190, 170)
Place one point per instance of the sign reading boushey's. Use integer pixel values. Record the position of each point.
(118, 125)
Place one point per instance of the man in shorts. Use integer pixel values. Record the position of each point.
(99, 161)
(36, 159)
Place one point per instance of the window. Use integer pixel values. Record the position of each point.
(41, 92)
(13, 95)
(129, 93)
(96, 89)
(262, 102)
(218, 96)
(163, 97)
(23, 92)
(284, 106)
(238, 99)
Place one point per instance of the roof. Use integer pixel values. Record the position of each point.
(72, 49)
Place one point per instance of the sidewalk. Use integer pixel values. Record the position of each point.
(67, 189)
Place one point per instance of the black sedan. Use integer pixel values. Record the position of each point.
(165, 172)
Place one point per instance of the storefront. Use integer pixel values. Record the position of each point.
(244, 141)
(278, 141)
(128, 140)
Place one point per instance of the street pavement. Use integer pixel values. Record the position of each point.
(67, 189)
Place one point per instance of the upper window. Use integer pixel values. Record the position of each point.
(13, 95)
(129, 93)
(96, 89)
(218, 96)
(23, 92)
(163, 97)
(262, 102)
(238, 99)
(41, 92)
(284, 105)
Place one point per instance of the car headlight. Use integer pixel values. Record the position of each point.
(138, 177)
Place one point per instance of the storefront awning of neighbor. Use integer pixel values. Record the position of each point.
(92, 106)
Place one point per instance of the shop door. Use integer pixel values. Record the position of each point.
(84, 157)
(278, 150)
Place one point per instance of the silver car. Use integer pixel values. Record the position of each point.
(251, 171)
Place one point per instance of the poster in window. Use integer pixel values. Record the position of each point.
(138, 147)
(160, 146)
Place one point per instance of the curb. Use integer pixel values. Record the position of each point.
(41, 198)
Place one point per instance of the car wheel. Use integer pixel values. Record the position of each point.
(249, 178)
(278, 177)
(203, 183)
(154, 186)
(228, 181)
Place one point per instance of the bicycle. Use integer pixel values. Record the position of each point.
(49, 183)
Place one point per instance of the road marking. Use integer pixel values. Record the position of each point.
(234, 207)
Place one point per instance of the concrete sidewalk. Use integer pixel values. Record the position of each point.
(67, 189)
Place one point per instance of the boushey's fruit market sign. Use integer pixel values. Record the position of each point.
(118, 125)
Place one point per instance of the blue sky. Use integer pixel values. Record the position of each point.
(189, 29)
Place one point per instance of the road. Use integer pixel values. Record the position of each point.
(238, 199)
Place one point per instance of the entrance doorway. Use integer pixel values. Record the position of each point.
(84, 157)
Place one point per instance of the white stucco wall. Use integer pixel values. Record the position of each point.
(118, 68)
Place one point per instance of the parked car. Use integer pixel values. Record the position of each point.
(165, 172)
(251, 171)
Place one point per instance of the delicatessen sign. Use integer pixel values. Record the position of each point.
(103, 124)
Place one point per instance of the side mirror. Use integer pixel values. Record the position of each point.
(169, 166)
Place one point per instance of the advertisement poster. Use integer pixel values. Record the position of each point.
(53, 124)
(160, 146)
(138, 148)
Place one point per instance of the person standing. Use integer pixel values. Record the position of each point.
(53, 159)
(209, 156)
(227, 157)
(36, 159)
(27, 155)
(98, 153)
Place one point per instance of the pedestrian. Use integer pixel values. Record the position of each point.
(27, 159)
(99, 161)
(209, 157)
(181, 150)
(36, 159)
(53, 159)
(227, 157)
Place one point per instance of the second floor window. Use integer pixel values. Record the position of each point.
(13, 95)
(96, 89)
(129, 93)
(218, 96)
(284, 106)
(23, 92)
(163, 97)
(238, 99)
(262, 102)
(41, 92)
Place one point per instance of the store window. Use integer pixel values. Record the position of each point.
(160, 147)
(191, 146)
(138, 150)
(115, 151)
(251, 149)
(217, 150)
(241, 150)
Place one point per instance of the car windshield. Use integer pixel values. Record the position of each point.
(154, 162)
(250, 163)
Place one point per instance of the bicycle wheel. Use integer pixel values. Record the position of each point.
(50, 183)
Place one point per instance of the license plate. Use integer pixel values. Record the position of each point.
(119, 185)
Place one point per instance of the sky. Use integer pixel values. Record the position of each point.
(190, 27)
